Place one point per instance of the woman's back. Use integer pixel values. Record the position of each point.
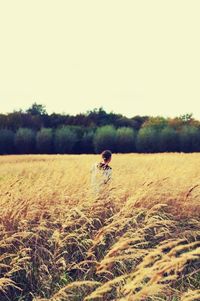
(101, 174)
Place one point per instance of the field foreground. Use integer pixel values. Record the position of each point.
(140, 240)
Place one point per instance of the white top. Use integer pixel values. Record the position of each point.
(101, 175)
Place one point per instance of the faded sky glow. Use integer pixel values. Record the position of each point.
(133, 57)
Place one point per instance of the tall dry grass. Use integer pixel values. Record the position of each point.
(139, 240)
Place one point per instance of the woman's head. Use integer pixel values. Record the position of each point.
(106, 156)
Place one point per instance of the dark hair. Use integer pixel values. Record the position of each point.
(106, 155)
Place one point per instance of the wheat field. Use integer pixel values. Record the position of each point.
(138, 240)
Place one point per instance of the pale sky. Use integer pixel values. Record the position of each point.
(131, 57)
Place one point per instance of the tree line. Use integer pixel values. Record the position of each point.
(34, 131)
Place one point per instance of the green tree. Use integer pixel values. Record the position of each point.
(36, 109)
(25, 141)
(189, 138)
(87, 142)
(147, 140)
(44, 141)
(6, 142)
(125, 140)
(105, 138)
(3, 121)
(186, 118)
(157, 123)
(64, 140)
(168, 140)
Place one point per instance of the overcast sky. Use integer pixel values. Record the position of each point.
(131, 57)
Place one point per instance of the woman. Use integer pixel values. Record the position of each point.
(101, 172)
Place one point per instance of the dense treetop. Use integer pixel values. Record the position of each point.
(35, 131)
(36, 117)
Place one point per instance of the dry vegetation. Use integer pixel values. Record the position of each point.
(139, 241)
